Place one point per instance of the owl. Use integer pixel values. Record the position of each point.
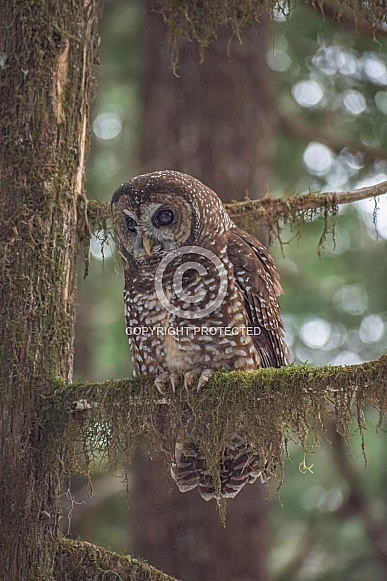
(200, 295)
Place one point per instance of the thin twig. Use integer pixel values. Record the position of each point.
(262, 211)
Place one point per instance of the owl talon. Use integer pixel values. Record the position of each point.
(162, 382)
(203, 375)
(206, 374)
(159, 384)
(190, 377)
(172, 380)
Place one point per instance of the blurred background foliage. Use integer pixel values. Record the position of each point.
(330, 82)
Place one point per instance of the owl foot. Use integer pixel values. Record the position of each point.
(162, 381)
(203, 375)
(190, 377)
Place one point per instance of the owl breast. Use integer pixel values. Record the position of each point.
(165, 342)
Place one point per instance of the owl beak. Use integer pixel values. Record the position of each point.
(148, 244)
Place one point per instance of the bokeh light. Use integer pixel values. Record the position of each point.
(107, 125)
(318, 158)
(307, 93)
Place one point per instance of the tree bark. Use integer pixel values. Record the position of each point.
(216, 121)
(46, 75)
(182, 534)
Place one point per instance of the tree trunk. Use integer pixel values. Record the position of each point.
(182, 535)
(215, 121)
(46, 64)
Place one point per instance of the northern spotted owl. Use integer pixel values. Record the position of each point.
(200, 295)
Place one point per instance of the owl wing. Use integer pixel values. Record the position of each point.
(258, 280)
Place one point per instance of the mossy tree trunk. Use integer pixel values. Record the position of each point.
(47, 51)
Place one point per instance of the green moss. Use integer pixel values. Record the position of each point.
(199, 20)
(268, 407)
(41, 165)
(81, 561)
(98, 214)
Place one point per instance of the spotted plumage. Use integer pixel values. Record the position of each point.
(200, 295)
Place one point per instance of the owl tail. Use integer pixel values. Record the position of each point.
(239, 465)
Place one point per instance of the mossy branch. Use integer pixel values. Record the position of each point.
(81, 561)
(267, 407)
(267, 211)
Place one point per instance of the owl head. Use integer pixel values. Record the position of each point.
(155, 213)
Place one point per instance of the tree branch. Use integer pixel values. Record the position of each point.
(266, 211)
(81, 561)
(267, 407)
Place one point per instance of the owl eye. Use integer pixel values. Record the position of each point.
(163, 217)
(130, 223)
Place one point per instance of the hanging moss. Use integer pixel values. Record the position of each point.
(198, 20)
(268, 407)
(268, 211)
(292, 210)
(98, 215)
